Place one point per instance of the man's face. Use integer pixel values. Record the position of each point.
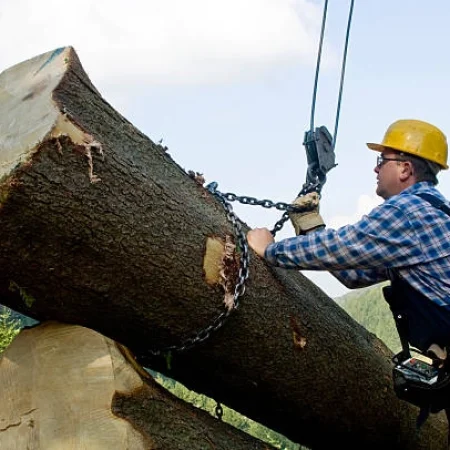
(390, 170)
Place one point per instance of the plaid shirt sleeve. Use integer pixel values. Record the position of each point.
(358, 254)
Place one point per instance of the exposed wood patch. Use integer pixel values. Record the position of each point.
(221, 266)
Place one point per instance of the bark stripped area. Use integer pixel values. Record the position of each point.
(221, 266)
(125, 256)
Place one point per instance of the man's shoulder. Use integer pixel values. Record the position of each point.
(419, 199)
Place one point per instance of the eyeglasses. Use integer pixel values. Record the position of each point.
(382, 159)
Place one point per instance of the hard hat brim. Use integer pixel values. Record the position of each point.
(376, 147)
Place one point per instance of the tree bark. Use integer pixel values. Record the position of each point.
(68, 387)
(101, 228)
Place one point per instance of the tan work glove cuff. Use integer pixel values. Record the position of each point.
(307, 221)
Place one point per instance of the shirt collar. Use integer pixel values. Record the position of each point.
(421, 186)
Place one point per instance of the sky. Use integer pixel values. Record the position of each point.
(228, 85)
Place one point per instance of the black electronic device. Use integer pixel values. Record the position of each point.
(418, 370)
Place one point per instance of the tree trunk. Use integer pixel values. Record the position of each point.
(101, 228)
(68, 387)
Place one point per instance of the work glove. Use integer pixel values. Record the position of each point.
(310, 219)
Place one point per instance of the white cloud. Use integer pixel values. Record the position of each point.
(365, 204)
(163, 41)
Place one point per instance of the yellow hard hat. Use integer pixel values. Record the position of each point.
(416, 138)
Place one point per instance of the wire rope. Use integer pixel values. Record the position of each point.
(342, 76)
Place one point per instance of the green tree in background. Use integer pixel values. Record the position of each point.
(229, 415)
(369, 308)
(9, 328)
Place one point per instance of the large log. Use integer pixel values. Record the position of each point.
(66, 387)
(101, 228)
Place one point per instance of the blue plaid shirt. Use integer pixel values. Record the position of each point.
(405, 233)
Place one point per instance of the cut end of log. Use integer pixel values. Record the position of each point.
(58, 386)
(28, 113)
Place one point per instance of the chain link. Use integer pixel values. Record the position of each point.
(219, 411)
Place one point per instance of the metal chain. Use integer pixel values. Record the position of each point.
(281, 206)
(239, 289)
(243, 274)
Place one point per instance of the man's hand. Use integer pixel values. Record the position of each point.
(307, 221)
(258, 239)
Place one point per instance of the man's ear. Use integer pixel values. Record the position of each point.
(406, 171)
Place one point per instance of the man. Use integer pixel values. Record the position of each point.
(406, 239)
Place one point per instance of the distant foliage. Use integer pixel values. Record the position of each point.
(9, 328)
(229, 415)
(369, 308)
